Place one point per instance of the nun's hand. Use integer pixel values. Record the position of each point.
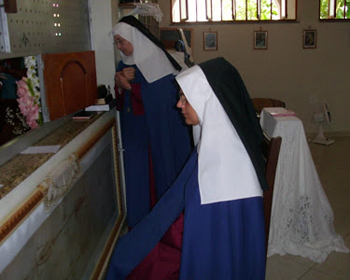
(121, 81)
(129, 73)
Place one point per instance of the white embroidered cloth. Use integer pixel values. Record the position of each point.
(301, 217)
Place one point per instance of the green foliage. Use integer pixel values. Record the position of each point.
(248, 10)
(324, 9)
(265, 13)
(339, 9)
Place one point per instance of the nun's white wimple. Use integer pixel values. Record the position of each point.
(225, 171)
(149, 58)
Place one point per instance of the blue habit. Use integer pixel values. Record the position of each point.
(224, 240)
(152, 132)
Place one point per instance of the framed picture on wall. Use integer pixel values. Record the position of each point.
(260, 40)
(169, 36)
(210, 41)
(309, 39)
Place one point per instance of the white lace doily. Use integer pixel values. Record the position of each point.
(147, 9)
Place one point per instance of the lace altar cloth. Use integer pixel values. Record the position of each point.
(301, 216)
(147, 9)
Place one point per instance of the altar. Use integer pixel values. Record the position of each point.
(62, 193)
(301, 216)
(61, 211)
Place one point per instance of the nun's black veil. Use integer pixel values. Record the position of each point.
(229, 88)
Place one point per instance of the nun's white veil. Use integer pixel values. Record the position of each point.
(149, 58)
(225, 170)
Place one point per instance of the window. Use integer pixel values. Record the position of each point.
(334, 9)
(232, 10)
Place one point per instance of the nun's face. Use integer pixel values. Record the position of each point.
(123, 45)
(190, 115)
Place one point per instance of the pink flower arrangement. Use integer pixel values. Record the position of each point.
(28, 103)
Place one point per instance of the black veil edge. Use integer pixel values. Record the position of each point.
(131, 20)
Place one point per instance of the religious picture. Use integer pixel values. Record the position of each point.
(260, 40)
(210, 41)
(309, 39)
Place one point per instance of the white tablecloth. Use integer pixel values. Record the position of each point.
(301, 218)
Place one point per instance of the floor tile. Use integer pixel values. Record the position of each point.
(341, 220)
(337, 264)
(319, 275)
(282, 267)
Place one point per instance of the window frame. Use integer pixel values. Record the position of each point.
(183, 20)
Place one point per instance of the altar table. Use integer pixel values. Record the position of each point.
(301, 216)
(61, 211)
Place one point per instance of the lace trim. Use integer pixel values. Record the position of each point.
(147, 9)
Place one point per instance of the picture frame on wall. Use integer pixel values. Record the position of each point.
(210, 41)
(260, 40)
(309, 39)
(169, 36)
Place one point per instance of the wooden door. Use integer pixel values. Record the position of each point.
(70, 82)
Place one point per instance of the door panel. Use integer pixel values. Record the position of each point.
(70, 82)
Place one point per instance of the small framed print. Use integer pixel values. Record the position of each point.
(260, 40)
(210, 41)
(309, 39)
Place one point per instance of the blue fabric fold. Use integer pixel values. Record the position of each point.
(132, 248)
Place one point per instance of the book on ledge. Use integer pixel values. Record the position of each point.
(83, 115)
(281, 112)
(102, 107)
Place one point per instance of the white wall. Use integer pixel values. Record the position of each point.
(102, 18)
(285, 70)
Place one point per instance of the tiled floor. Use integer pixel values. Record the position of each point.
(333, 166)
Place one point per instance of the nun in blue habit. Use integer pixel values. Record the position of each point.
(219, 190)
(155, 140)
